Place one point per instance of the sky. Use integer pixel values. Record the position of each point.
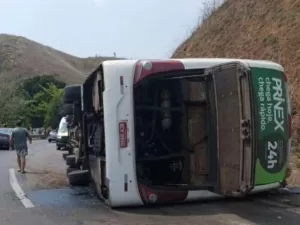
(130, 28)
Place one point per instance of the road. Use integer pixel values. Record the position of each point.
(54, 203)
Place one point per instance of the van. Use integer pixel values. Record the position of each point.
(62, 134)
(161, 131)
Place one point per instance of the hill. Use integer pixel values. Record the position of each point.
(22, 58)
(254, 29)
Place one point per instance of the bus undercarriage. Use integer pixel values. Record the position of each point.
(171, 133)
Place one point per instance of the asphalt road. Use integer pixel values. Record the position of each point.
(54, 203)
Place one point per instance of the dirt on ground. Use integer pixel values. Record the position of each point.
(46, 168)
(265, 29)
(45, 178)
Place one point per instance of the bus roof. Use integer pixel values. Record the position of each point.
(192, 63)
(208, 62)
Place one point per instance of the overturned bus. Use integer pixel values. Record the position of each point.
(162, 131)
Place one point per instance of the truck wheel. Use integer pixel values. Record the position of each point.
(72, 93)
(79, 178)
(68, 109)
(71, 161)
(58, 147)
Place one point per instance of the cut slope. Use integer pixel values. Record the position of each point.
(22, 58)
(254, 29)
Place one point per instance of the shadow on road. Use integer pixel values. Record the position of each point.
(251, 208)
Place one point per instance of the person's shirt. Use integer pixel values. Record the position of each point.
(19, 137)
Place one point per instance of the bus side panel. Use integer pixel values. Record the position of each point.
(120, 160)
(271, 125)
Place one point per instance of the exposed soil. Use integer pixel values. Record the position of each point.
(46, 168)
(45, 179)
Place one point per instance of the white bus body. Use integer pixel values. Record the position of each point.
(117, 170)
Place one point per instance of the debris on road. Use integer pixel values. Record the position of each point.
(45, 179)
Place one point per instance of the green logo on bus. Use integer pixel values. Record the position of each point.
(273, 156)
(279, 100)
(271, 123)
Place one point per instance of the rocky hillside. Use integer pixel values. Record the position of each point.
(255, 29)
(21, 58)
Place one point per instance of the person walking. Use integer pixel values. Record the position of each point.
(18, 142)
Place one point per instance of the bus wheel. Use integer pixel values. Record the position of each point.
(68, 109)
(70, 169)
(79, 178)
(72, 93)
(71, 161)
(64, 155)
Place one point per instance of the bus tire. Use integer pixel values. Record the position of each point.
(70, 169)
(65, 154)
(79, 178)
(72, 93)
(68, 109)
(76, 114)
(71, 161)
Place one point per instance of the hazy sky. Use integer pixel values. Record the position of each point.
(131, 28)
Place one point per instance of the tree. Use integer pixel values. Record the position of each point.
(34, 85)
(35, 90)
(49, 104)
(35, 101)
(53, 114)
(13, 106)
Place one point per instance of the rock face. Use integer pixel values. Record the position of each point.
(264, 29)
(22, 58)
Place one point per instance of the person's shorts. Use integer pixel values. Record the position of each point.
(22, 152)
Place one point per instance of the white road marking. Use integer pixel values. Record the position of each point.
(18, 190)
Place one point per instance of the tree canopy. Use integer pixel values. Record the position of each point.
(35, 101)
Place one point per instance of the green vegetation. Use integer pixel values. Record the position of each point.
(36, 101)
